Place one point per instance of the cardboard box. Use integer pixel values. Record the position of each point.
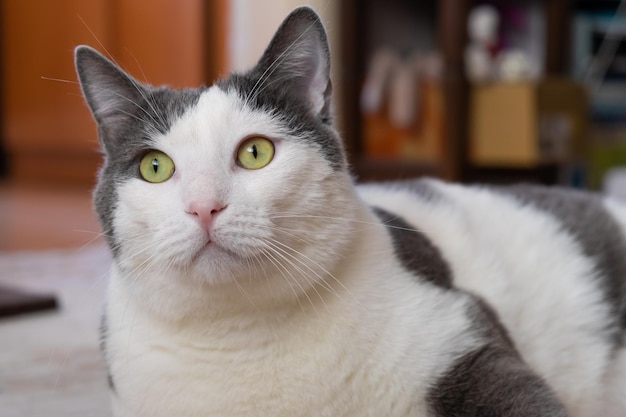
(525, 124)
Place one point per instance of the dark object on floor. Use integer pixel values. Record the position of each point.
(14, 302)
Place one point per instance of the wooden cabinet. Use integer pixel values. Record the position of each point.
(446, 25)
(47, 131)
(446, 21)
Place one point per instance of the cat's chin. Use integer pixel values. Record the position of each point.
(210, 252)
(205, 248)
(215, 263)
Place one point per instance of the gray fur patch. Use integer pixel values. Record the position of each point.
(104, 329)
(128, 114)
(129, 141)
(492, 380)
(416, 252)
(584, 216)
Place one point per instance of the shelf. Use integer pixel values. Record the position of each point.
(358, 32)
(539, 174)
(382, 169)
(450, 37)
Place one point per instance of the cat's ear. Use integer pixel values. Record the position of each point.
(112, 95)
(298, 59)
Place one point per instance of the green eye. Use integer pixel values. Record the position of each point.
(255, 153)
(156, 166)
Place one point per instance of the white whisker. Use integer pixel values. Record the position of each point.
(162, 123)
(283, 254)
(328, 273)
(270, 254)
(381, 224)
(59, 80)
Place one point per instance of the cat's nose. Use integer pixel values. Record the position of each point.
(205, 211)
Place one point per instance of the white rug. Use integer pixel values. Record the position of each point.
(50, 363)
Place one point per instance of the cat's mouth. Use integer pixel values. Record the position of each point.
(209, 249)
(207, 246)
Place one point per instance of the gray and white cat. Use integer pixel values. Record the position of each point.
(251, 277)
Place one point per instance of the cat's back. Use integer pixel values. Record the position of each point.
(550, 261)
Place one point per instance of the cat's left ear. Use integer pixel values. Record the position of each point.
(298, 59)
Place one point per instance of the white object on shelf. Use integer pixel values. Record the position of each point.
(396, 82)
(615, 183)
(403, 96)
(515, 65)
(482, 26)
(379, 72)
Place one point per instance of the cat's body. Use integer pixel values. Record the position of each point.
(246, 284)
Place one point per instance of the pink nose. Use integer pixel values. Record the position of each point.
(205, 211)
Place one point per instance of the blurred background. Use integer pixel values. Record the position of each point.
(466, 90)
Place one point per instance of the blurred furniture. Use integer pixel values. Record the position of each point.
(15, 302)
(526, 123)
(366, 24)
(47, 133)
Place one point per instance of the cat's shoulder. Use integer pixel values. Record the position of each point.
(577, 210)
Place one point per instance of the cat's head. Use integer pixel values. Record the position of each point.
(246, 178)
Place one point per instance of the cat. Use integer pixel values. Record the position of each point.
(252, 277)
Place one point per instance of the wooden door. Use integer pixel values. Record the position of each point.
(47, 131)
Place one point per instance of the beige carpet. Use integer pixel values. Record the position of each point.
(50, 363)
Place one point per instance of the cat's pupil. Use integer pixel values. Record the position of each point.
(253, 151)
(155, 165)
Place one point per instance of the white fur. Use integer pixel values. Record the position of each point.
(535, 275)
(291, 312)
(315, 327)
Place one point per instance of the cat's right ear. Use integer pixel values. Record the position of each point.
(297, 60)
(112, 95)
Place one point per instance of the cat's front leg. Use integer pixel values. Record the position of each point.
(490, 382)
(493, 380)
